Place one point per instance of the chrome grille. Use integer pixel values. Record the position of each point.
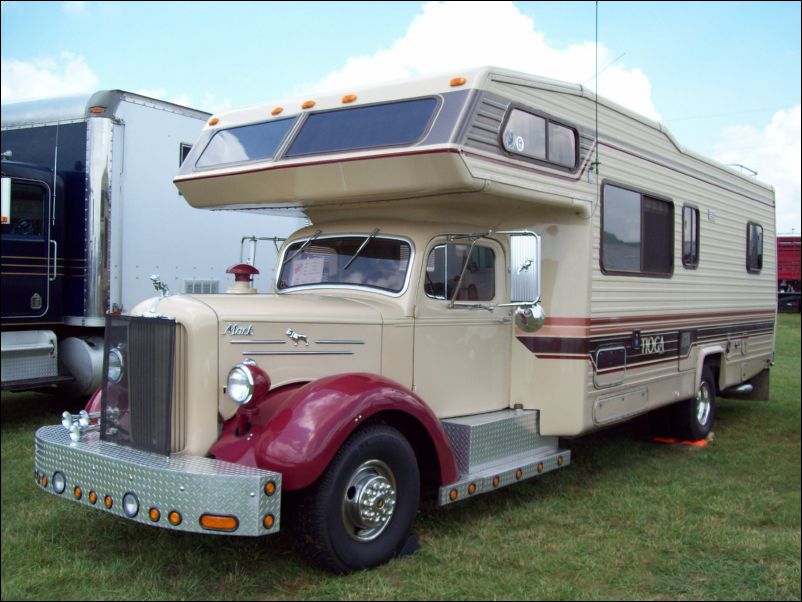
(137, 410)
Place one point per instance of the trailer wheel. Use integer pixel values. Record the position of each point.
(693, 418)
(359, 514)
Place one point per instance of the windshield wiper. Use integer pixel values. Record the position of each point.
(303, 247)
(361, 247)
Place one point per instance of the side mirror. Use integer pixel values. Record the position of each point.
(524, 268)
(525, 280)
(530, 318)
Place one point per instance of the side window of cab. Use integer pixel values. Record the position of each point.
(476, 265)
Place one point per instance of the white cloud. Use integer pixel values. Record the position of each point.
(447, 36)
(74, 7)
(774, 152)
(45, 78)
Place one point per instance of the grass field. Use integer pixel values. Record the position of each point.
(629, 519)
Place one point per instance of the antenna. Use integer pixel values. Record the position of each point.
(594, 166)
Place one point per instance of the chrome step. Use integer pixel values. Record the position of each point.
(497, 449)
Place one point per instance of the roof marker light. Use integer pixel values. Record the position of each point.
(214, 121)
(457, 81)
(349, 98)
(308, 104)
(277, 111)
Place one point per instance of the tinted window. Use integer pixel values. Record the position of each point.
(381, 263)
(445, 265)
(754, 247)
(246, 143)
(638, 233)
(690, 237)
(28, 206)
(372, 126)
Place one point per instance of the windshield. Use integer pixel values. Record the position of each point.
(354, 260)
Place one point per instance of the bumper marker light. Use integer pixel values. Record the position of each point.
(472, 488)
(453, 495)
(44, 482)
(215, 522)
(108, 501)
(154, 515)
(269, 521)
(92, 498)
(59, 482)
(519, 474)
(175, 518)
(270, 488)
(130, 505)
(78, 493)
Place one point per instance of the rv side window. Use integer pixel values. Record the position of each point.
(540, 138)
(444, 266)
(754, 247)
(690, 236)
(28, 206)
(637, 233)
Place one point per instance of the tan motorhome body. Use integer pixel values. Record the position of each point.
(547, 264)
(475, 186)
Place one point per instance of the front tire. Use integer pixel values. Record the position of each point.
(693, 419)
(359, 514)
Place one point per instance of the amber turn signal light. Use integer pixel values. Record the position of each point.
(215, 522)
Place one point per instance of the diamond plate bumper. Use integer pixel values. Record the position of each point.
(189, 485)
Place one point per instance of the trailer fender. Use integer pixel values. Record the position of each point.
(297, 430)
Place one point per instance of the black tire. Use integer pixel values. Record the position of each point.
(693, 419)
(360, 512)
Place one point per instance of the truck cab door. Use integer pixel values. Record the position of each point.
(462, 349)
(31, 283)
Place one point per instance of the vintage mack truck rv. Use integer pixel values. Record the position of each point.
(487, 269)
(89, 214)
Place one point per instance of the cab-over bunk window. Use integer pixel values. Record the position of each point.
(370, 126)
(637, 233)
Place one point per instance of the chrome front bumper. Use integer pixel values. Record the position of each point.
(209, 496)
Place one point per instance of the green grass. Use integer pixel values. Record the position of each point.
(628, 519)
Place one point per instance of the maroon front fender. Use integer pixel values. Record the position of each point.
(297, 430)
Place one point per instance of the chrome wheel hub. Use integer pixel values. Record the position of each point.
(703, 404)
(369, 501)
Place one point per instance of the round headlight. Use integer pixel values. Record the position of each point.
(130, 505)
(116, 366)
(240, 384)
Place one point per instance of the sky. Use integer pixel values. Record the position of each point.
(723, 77)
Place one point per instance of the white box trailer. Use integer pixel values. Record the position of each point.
(90, 213)
(488, 268)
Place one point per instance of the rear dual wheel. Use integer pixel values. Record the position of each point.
(692, 419)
